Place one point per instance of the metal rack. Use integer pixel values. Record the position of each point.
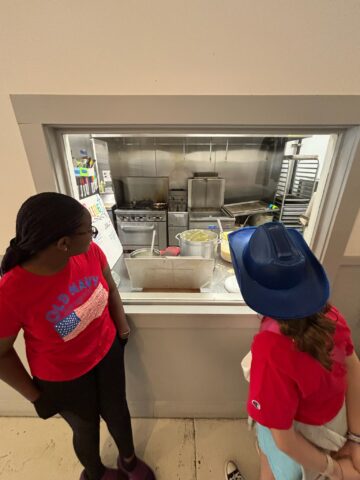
(295, 187)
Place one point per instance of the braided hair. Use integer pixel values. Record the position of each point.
(41, 221)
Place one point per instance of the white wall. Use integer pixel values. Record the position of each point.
(353, 245)
(166, 47)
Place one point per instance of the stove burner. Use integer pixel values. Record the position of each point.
(144, 205)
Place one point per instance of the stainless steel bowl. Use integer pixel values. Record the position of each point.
(144, 252)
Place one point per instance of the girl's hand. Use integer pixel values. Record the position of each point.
(124, 328)
(338, 474)
(355, 454)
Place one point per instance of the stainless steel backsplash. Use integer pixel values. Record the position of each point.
(250, 167)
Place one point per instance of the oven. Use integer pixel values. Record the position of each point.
(135, 228)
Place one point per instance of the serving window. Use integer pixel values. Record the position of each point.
(172, 199)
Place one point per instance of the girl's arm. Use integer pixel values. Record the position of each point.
(13, 372)
(303, 452)
(298, 448)
(353, 393)
(353, 405)
(116, 308)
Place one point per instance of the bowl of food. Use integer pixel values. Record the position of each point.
(225, 247)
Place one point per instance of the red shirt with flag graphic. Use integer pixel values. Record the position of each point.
(288, 385)
(65, 317)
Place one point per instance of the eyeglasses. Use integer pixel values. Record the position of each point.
(93, 230)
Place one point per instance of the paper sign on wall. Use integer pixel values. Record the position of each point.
(106, 175)
(107, 238)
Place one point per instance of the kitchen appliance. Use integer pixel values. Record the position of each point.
(130, 190)
(135, 226)
(202, 243)
(143, 205)
(177, 200)
(205, 200)
(177, 223)
(206, 193)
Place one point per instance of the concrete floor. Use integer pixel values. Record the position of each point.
(189, 449)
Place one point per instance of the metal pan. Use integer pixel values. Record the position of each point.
(159, 206)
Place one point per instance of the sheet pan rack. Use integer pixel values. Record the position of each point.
(296, 185)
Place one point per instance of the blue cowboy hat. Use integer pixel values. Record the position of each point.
(277, 273)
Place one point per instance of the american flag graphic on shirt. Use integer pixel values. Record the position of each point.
(70, 326)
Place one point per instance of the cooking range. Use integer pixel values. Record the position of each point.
(136, 222)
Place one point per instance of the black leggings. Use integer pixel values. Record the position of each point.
(81, 402)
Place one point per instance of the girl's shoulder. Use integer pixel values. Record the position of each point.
(94, 254)
(275, 348)
(269, 341)
(12, 280)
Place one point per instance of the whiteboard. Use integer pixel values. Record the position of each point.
(107, 238)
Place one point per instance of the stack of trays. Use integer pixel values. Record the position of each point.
(290, 211)
(295, 187)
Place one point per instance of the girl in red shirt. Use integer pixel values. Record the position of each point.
(304, 390)
(57, 287)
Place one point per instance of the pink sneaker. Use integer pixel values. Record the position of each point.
(110, 474)
(140, 472)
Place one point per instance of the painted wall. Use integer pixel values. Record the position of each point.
(353, 245)
(166, 47)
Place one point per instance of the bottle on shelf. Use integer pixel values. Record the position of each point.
(85, 173)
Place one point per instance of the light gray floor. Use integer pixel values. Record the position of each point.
(189, 449)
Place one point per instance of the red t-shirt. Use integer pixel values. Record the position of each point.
(288, 385)
(65, 316)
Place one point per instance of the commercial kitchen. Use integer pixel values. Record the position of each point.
(175, 199)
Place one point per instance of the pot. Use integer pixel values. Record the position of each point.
(198, 243)
(144, 252)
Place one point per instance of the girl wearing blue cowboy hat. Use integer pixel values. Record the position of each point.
(304, 390)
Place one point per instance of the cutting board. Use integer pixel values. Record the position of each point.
(170, 272)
